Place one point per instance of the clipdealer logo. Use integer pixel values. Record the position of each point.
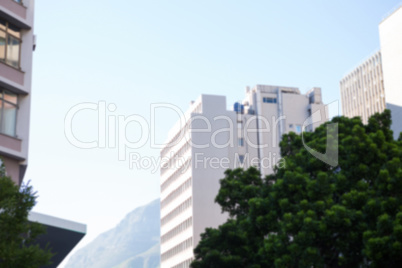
(112, 134)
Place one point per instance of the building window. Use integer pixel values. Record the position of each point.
(269, 100)
(241, 159)
(8, 112)
(241, 142)
(10, 44)
(18, 1)
(298, 129)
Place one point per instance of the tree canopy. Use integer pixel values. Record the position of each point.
(17, 234)
(310, 214)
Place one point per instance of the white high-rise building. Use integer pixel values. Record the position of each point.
(362, 90)
(376, 84)
(210, 139)
(391, 49)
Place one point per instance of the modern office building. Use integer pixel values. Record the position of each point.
(17, 43)
(362, 90)
(210, 139)
(376, 84)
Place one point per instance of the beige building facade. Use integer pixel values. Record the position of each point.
(376, 84)
(362, 90)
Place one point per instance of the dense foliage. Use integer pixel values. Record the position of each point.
(17, 234)
(310, 214)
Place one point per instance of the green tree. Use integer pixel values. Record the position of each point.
(310, 214)
(17, 235)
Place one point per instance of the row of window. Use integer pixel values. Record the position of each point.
(179, 153)
(176, 175)
(353, 88)
(8, 112)
(362, 83)
(177, 249)
(178, 210)
(356, 98)
(10, 43)
(177, 230)
(176, 192)
(184, 264)
(180, 134)
(298, 128)
(367, 66)
(268, 100)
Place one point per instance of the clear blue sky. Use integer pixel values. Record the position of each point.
(134, 53)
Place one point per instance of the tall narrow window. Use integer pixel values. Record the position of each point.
(8, 112)
(10, 44)
(241, 142)
(2, 45)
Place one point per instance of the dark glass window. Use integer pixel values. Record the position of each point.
(269, 100)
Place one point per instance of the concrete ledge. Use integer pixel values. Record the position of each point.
(61, 235)
(57, 222)
(10, 142)
(14, 13)
(12, 74)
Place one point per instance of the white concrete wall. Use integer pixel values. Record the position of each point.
(396, 114)
(391, 50)
(209, 165)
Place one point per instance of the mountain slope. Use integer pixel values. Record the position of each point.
(149, 259)
(134, 242)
